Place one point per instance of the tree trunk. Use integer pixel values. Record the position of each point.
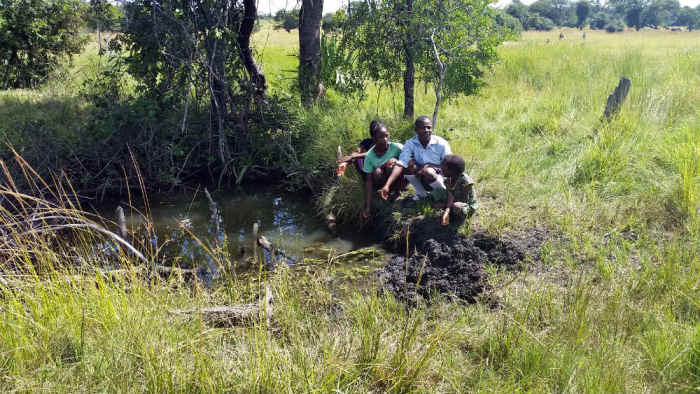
(99, 37)
(441, 79)
(310, 50)
(257, 76)
(409, 80)
(408, 85)
(219, 108)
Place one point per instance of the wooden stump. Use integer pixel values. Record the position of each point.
(121, 219)
(617, 98)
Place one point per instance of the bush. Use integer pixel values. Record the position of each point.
(287, 20)
(615, 26)
(35, 35)
(508, 22)
(330, 23)
(599, 21)
(540, 23)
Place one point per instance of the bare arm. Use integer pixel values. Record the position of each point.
(352, 156)
(446, 215)
(395, 173)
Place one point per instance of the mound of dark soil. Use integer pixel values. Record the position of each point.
(447, 262)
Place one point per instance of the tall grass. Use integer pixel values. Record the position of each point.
(613, 306)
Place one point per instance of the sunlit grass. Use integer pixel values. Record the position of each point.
(612, 307)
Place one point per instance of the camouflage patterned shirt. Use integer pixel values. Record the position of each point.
(463, 191)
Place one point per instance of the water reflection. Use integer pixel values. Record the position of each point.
(194, 235)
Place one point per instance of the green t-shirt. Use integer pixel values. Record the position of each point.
(372, 161)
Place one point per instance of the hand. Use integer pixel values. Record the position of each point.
(345, 159)
(445, 218)
(384, 192)
(365, 214)
(390, 163)
(411, 167)
(341, 169)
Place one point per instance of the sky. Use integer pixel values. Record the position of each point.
(271, 6)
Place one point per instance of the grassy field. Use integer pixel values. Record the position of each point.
(613, 305)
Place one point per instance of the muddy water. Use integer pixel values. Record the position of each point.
(290, 222)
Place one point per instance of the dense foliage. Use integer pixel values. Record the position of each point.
(35, 35)
(101, 15)
(546, 14)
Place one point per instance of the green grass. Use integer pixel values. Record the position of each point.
(614, 305)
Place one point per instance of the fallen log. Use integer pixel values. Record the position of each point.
(235, 315)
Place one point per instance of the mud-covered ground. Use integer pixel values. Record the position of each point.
(441, 260)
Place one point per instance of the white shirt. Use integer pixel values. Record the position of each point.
(433, 153)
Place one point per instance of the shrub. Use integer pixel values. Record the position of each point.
(599, 21)
(287, 20)
(330, 23)
(35, 36)
(540, 23)
(508, 22)
(615, 26)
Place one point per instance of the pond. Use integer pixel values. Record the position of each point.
(187, 232)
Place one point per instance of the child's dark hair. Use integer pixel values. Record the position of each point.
(454, 163)
(366, 144)
(374, 126)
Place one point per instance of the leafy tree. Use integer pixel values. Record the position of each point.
(180, 51)
(614, 26)
(600, 20)
(631, 10)
(634, 18)
(463, 38)
(35, 35)
(101, 16)
(507, 21)
(688, 17)
(330, 23)
(641, 13)
(447, 42)
(381, 34)
(337, 66)
(287, 19)
(538, 22)
(558, 11)
(660, 13)
(583, 10)
(519, 11)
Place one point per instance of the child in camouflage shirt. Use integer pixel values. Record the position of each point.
(459, 196)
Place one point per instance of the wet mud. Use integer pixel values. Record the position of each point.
(443, 261)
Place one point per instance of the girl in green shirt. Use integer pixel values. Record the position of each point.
(379, 162)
